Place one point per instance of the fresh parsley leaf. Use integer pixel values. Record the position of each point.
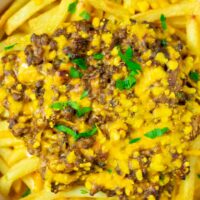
(129, 53)
(81, 62)
(59, 105)
(98, 56)
(127, 58)
(126, 84)
(84, 94)
(73, 105)
(85, 15)
(67, 130)
(134, 140)
(156, 132)
(74, 73)
(88, 133)
(194, 76)
(79, 111)
(26, 193)
(9, 47)
(83, 111)
(163, 42)
(76, 136)
(198, 175)
(83, 191)
(109, 171)
(132, 66)
(163, 22)
(72, 7)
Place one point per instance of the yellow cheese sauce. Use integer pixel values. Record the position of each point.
(141, 129)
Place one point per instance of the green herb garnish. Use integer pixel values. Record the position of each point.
(198, 175)
(85, 15)
(72, 7)
(74, 73)
(126, 84)
(156, 132)
(67, 130)
(98, 56)
(9, 47)
(81, 62)
(132, 66)
(134, 140)
(76, 136)
(83, 191)
(84, 94)
(26, 193)
(88, 133)
(109, 171)
(163, 22)
(83, 111)
(194, 76)
(59, 105)
(163, 42)
(80, 111)
(128, 59)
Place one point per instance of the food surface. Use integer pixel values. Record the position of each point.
(113, 106)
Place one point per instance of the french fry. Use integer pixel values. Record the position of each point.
(110, 7)
(177, 22)
(17, 171)
(193, 35)
(20, 39)
(42, 24)
(11, 10)
(3, 166)
(175, 10)
(24, 14)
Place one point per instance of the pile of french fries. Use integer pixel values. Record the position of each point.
(25, 17)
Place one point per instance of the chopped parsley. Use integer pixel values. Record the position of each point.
(74, 73)
(194, 76)
(83, 111)
(98, 56)
(85, 15)
(83, 191)
(132, 66)
(88, 133)
(134, 140)
(26, 193)
(163, 22)
(84, 94)
(163, 42)
(81, 62)
(6, 48)
(74, 134)
(109, 171)
(67, 130)
(198, 175)
(127, 83)
(72, 7)
(59, 105)
(80, 111)
(156, 132)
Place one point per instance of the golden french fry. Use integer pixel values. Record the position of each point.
(17, 171)
(24, 14)
(193, 35)
(110, 7)
(42, 24)
(177, 22)
(180, 9)
(21, 40)
(11, 10)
